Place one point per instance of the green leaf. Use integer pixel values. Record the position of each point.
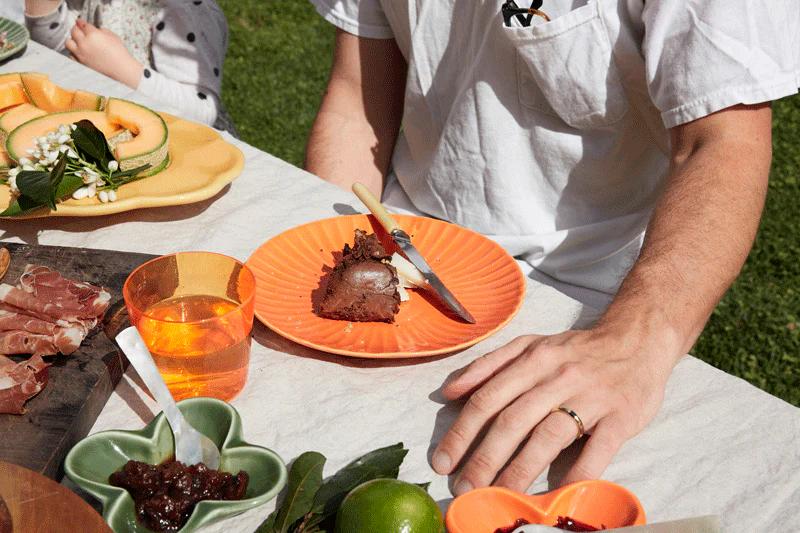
(35, 185)
(381, 463)
(91, 144)
(20, 206)
(68, 185)
(130, 172)
(268, 525)
(305, 479)
(56, 175)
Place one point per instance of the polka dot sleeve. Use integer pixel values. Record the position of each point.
(188, 48)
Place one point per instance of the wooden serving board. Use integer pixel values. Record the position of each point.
(78, 385)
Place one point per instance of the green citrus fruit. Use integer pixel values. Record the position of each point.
(389, 506)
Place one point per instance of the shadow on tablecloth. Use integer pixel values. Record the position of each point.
(269, 339)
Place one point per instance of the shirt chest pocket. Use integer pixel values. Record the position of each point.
(566, 68)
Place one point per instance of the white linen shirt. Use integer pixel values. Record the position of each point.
(553, 139)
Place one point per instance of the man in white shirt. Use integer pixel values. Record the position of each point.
(621, 148)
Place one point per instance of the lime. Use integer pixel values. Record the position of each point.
(389, 506)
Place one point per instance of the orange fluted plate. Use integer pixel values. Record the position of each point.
(477, 270)
(201, 164)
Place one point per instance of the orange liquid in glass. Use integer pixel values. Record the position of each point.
(200, 345)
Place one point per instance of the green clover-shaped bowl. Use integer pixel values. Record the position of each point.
(91, 461)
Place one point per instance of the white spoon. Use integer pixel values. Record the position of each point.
(191, 446)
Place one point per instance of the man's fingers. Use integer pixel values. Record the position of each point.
(483, 368)
(495, 394)
(597, 454)
(508, 430)
(557, 431)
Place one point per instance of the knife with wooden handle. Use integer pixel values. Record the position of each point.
(403, 241)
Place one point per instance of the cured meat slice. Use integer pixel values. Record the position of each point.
(21, 342)
(45, 314)
(13, 320)
(61, 297)
(19, 382)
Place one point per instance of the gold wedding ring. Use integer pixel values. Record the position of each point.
(574, 417)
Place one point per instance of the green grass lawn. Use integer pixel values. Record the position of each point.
(276, 70)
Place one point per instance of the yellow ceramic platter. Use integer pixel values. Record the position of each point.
(201, 164)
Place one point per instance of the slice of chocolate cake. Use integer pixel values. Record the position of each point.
(362, 286)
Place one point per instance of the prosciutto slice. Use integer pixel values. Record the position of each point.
(19, 382)
(44, 314)
(46, 292)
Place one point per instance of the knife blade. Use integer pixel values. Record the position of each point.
(403, 241)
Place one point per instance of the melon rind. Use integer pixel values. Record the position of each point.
(135, 117)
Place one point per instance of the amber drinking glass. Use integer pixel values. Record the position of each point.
(194, 311)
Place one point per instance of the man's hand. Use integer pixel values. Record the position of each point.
(103, 51)
(614, 375)
(608, 380)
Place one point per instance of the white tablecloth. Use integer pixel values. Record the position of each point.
(718, 445)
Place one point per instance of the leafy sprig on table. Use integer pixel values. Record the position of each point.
(71, 161)
(310, 504)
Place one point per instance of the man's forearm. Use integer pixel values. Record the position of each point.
(700, 233)
(343, 147)
(353, 136)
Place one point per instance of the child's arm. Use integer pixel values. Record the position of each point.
(188, 49)
(49, 22)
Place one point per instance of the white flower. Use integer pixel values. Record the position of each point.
(31, 151)
(28, 167)
(99, 183)
(25, 161)
(88, 178)
(52, 137)
(72, 154)
(113, 166)
(63, 149)
(81, 193)
(73, 127)
(12, 173)
(12, 182)
(103, 196)
(63, 129)
(92, 190)
(42, 141)
(51, 156)
(62, 139)
(112, 196)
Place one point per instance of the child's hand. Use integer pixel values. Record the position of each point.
(103, 51)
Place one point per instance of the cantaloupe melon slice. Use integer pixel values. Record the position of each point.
(16, 116)
(149, 143)
(24, 137)
(12, 93)
(45, 94)
(83, 100)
